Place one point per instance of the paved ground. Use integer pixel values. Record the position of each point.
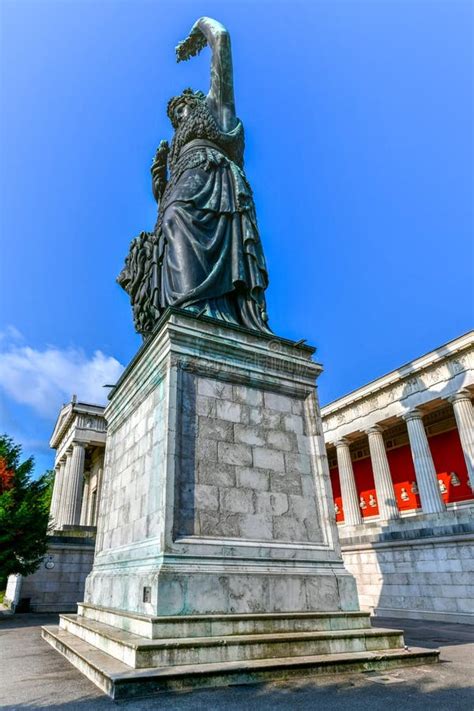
(34, 676)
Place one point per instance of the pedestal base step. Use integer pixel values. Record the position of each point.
(138, 652)
(177, 626)
(119, 681)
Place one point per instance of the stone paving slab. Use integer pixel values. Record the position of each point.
(34, 676)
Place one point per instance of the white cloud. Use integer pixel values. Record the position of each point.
(10, 334)
(45, 379)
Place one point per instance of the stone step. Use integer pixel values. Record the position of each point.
(139, 652)
(120, 682)
(218, 625)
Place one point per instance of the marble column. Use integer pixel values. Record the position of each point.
(386, 499)
(350, 499)
(431, 500)
(63, 497)
(75, 484)
(93, 508)
(56, 497)
(85, 502)
(463, 412)
(98, 494)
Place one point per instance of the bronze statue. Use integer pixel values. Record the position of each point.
(205, 253)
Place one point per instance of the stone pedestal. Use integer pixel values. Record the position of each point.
(217, 558)
(216, 491)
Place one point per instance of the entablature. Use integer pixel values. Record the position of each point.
(425, 383)
(78, 423)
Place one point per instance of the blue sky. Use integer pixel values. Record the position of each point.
(358, 118)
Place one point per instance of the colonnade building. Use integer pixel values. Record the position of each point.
(58, 584)
(401, 460)
(79, 440)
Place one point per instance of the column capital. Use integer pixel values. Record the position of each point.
(78, 444)
(375, 429)
(414, 414)
(461, 395)
(343, 442)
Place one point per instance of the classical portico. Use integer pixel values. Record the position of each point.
(384, 445)
(401, 456)
(79, 440)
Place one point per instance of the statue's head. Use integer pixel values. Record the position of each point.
(180, 107)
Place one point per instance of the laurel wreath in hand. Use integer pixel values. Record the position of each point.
(191, 46)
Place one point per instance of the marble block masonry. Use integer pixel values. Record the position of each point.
(217, 557)
(216, 492)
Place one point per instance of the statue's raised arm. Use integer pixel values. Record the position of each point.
(221, 94)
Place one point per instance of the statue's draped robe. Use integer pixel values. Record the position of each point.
(206, 253)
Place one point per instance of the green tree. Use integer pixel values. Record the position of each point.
(48, 490)
(24, 512)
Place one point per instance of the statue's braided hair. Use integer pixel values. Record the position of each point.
(200, 124)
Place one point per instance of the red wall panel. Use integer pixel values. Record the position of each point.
(336, 494)
(403, 476)
(448, 459)
(447, 456)
(364, 479)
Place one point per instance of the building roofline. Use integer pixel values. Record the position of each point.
(449, 348)
(66, 416)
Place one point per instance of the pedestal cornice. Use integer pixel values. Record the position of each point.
(215, 349)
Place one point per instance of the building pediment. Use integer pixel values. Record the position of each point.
(81, 416)
(61, 425)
